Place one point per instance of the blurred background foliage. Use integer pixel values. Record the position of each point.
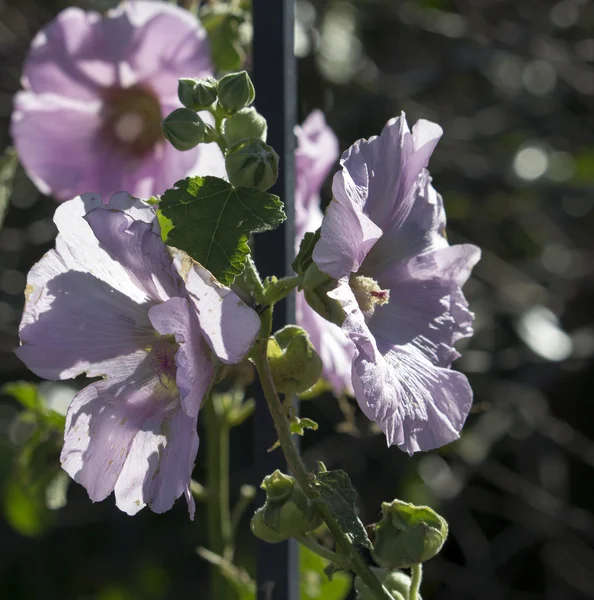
(512, 84)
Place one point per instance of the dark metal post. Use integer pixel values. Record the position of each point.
(274, 76)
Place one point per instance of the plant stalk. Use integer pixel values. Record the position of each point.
(416, 575)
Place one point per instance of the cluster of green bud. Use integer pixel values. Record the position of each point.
(287, 512)
(240, 130)
(407, 535)
(294, 363)
(396, 582)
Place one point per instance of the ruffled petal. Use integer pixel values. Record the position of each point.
(347, 233)
(229, 326)
(427, 308)
(159, 463)
(75, 323)
(81, 251)
(195, 370)
(139, 250)
(102, 422)
(418, 406)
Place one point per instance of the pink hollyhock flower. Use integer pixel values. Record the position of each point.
(96, 90)
(317, 149)
(399, 284)
(110, 301)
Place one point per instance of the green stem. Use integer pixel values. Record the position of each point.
(217, 482)
(252, 279)
(246, 494)
(198, 491)
(281, 423)
(322, 551)
(276, 290)
(416, 574)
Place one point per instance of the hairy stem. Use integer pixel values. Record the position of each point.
(217, 482)
(416, 574)
(322, 551)
(281, 423)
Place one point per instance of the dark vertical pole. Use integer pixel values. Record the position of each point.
(274, 76)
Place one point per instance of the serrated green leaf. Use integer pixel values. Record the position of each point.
(212, 222)
(337, 492)
(8, 164)
(306, 247)
(315, 584)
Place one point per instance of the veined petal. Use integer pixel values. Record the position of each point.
(136, 247)
(159, 463)
(347, 233)
(229, 326)
(103, 420)
(74, 323)
(418, 406)
(427, 308)
(195, 370)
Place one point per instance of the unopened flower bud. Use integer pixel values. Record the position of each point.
(205, 93)
(316, 285)
(244, 124)
(396, 582)
(185, 92)
(236, 91)
(184, 129)
(407, 535)
(287, 512)
(252, 163)
(294, 362)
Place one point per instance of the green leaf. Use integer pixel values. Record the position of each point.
(212, 222)
(306, 247)
(24, 392)
(298, 426)
(337, 492)
(315, 584)
(228, 46)
(8, 164)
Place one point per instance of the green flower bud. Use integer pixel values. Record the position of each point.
(185, 92)
(184, 129)
(396, 582)
(236, 91)
(244, 124)
(252, 163)
(316, 286)
(205, 93)
(287, 512)
(407, 535)
(294, 362)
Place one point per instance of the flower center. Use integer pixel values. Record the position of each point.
(162, 359)
(131, 120)
(368, 294)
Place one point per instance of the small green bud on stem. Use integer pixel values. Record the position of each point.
(244, 124)
(184, 129)
(236, 91)
(252, 163)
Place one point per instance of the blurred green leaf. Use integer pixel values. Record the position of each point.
(315, 584)
(228, 43)
(8, 164)
(24, 392)
(56, 491)
(212, 221)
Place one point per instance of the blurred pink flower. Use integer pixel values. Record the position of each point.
(96, 89)
(317, 150)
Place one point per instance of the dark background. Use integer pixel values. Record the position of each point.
(512, 84)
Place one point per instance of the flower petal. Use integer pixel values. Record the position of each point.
(103, 420)
(74, 323)
(139, 250)
(418, 406)
(195, 371)
(229, 326)
(427, 308)
(159, 463)
(71, 56)
(347, 233)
